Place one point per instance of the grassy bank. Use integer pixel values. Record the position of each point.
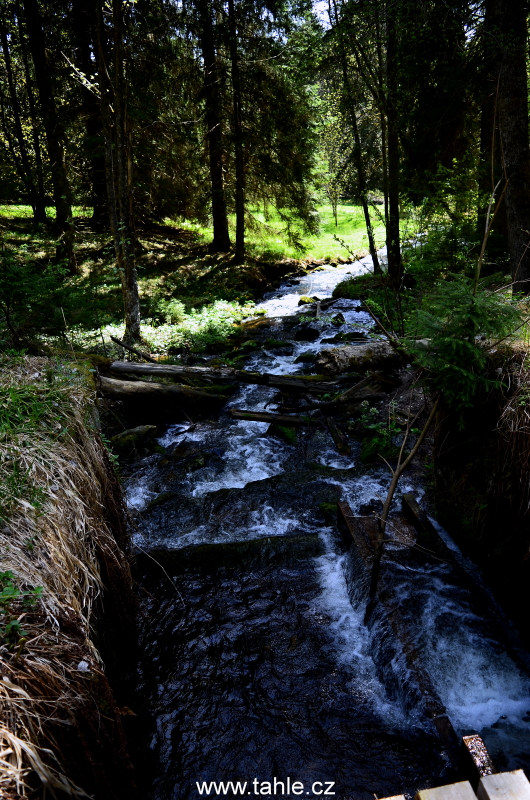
(60, 511)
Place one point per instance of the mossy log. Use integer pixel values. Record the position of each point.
(267, 416)
(141, 391)
(283, 382)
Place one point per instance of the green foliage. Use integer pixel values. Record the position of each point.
(456, 323)
(173, 311)
(30, 295)
(379, 436)
(13, 602)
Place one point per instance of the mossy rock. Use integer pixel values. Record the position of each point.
(248, 346)
(329, 510)
(306, 301)
(305, 358)
(134, 437)
(284, 432)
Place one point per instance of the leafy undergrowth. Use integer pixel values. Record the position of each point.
(195, 331)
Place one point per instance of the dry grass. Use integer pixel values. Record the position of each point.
(55, 544)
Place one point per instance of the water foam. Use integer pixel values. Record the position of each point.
(350, 637)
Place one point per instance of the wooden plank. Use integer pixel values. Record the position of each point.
(453, 791)
(267, 416)
(504, 786)
(478, 757)
(302, 384)
(364, 532)
(417, 515)
(394, 797)
(359, 530)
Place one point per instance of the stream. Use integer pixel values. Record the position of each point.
(256, 665)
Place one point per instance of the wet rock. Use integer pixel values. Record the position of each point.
(306, 358)
(359, 358)
(279, 347)
(134, 437)
(305, 300)
(306, 334)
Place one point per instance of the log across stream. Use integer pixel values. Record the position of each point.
(256, 664)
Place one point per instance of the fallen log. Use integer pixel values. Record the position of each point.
(141, 390)
(267, 416)
(285, 382)
(341, 442)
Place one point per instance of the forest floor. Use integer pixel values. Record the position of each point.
(189, 297)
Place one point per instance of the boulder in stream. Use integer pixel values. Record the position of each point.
(358, 358)
(134, 437)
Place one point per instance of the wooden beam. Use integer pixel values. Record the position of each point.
(266, 416)
(284, 382)
(504, 786)
(453, 791)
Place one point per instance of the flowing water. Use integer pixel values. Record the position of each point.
(256, 664)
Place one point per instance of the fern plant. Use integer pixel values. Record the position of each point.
(457, 326)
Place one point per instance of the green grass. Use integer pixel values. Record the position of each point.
(25, 212)
(268, 238)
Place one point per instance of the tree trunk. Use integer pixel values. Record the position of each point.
(35, 126)
(395, 267)
(357, 152)
(238, 136)
(52, 128)
(106, 105)
(364, 193)
(512, 106)
(124, 186)
(83, 25)
(39, 213)
(490, 169)
(221, 238)
(381, 70)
